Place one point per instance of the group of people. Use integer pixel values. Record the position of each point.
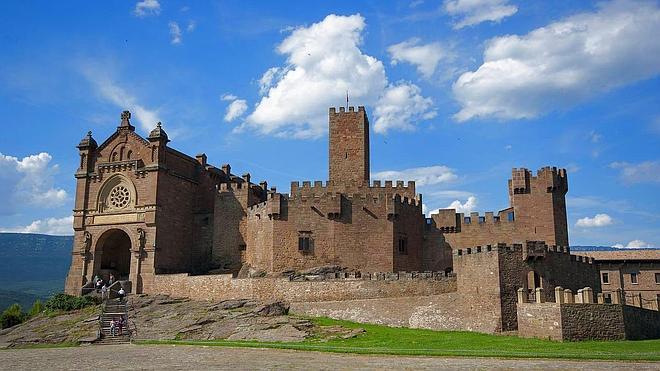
(117, 326)
(104, 288)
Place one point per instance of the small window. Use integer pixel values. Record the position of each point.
(305, 244)
(510, 216)
(657, 278)
(403, 246)
(633, 278)
(129, 155)
(467, 220)
(606, 278)
(607, 298)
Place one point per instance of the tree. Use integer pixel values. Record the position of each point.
(37, 308)
(12, 316)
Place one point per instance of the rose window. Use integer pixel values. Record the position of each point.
(119, 197)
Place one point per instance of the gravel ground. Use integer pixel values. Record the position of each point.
(149, 357)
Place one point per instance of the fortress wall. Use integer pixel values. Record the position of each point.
(577, 321)
(355, 231)
(224, 287)
(408, 227)
(489, 276)
(377, 187)
(445, 311)
(437, 253)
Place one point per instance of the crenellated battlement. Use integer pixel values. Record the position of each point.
(530, 250)
(351, 109)
(271, 207)
(375, 276)
(550, 179)
(489, 217)
(319, 188)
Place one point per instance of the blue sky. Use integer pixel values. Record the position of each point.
(458, 92)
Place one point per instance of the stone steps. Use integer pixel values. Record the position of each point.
(112, 310)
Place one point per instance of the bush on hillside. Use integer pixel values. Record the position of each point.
(64, 302)
(37, 308)
(12, 316)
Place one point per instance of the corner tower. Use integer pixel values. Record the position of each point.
(349, 146)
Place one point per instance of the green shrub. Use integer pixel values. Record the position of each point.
(37, 308)
(12, 316)
(64, 302)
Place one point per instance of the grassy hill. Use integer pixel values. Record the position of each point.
(32, 266)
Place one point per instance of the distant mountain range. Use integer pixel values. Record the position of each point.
(608, 248)
(34, 266)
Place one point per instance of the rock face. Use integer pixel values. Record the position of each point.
(277, 308)
(165, 318)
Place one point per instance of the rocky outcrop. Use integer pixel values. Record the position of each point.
(165, 318)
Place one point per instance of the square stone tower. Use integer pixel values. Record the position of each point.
(540, 204)
(349, 146)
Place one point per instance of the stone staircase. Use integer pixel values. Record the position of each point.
(113, 309)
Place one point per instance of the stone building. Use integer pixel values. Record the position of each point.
(636, 273)
(143, 208)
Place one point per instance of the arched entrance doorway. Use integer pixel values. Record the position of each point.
(113, 249)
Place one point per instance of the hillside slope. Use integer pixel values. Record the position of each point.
(32, 266)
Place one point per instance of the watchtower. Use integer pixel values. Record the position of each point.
(539, 203)
(349, 146)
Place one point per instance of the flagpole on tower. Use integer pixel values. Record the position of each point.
(346, 99)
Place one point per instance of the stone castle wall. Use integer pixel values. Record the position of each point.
(489, 277)
(577, 321)
(224, 287)
(537, 213)
(359, 231)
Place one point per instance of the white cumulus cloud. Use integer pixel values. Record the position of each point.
(599, 220)
(644, 172)
(146, 8)
(400, 107)
(472, 12)
(423, 56)
(324, 62)
(423, 176)
(466, 207)
(565, 62)
(236, 107)
(634, 244)
(29, 180)
(53, 226)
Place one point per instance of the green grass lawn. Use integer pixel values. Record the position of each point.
(405, 341)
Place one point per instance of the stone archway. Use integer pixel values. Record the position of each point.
(113, 255)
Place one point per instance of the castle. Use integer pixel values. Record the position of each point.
(165, 222)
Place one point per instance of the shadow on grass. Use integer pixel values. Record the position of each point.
(419, 342)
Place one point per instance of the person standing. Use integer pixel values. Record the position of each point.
(121, 293)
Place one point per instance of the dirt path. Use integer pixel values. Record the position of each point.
(205, 358)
